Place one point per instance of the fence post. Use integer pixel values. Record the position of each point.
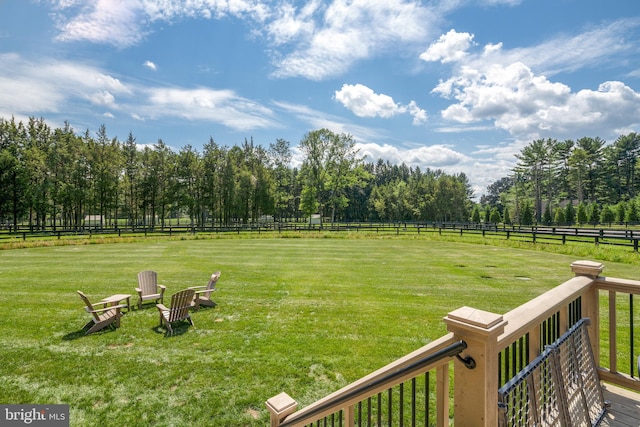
(476, 390)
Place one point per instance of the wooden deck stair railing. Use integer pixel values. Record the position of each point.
(500, 345)
(385, 395)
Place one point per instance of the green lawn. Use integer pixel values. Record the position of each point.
(301, 315)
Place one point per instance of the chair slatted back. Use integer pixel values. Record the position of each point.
(89, 307)
(211, 286)
(180, 305)
(148, 282)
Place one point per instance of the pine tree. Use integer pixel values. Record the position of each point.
(507, 218)
(631, 215)
(546, 218)
(607, 216)
(475, 216)
(495, 216)
(560, 218)
(582, 216)
(526, 216)
(569, 214)
(594, 214)
(621, 212)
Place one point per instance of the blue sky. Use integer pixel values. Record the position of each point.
(457, 85)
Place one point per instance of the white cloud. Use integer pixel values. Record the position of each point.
(419, 115)
(48, 85)
(364, 102)
(450, 47)
(103, 98)
(116, 22)
(313, 39)
(424, 156)
(289, 24)
(52, 86)
(150, 65)
(567, 53)
(220, 106)
(331, 38)
(125, 23)
(482, 169)
(500, 87)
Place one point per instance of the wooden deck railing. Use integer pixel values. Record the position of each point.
(498, 345)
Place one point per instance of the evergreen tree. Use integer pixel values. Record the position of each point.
(506, 219)
(495, 216)
(546, 218)
(607, 216)
(475, 216)
(560, 217)
(569, 214)
(526, 215)
(594, 213)
(621, 212)
(631, 214)
(581, 213)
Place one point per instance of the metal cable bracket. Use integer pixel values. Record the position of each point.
(468, 361)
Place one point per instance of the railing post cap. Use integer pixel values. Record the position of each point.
(473, 319)
(587, 268)
(280, 406)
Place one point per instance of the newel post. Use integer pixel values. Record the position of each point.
(279, 407)
(591, 301)
(590, 269)
(476, 390)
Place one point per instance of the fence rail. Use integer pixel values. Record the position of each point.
(627, 237)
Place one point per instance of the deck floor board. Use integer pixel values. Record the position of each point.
(625, 407)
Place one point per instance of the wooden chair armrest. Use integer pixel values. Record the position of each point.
(138, 290)
(196, 287)
(163, 287)
(111, 307)
(205, 290)
(101, 304)
(162, 307)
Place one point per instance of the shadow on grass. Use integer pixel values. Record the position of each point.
(178, 329)
(82, 332)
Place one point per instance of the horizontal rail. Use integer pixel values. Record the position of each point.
(619, 289)
(618, 285)
(424, 359)
(523, 319)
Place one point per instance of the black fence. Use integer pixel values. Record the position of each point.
(628, 237)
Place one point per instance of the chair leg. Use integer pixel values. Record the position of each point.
(96, 327)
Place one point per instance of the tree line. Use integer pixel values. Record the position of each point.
(566, 182)
(57, 178)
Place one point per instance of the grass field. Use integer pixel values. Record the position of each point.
(301, 315)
